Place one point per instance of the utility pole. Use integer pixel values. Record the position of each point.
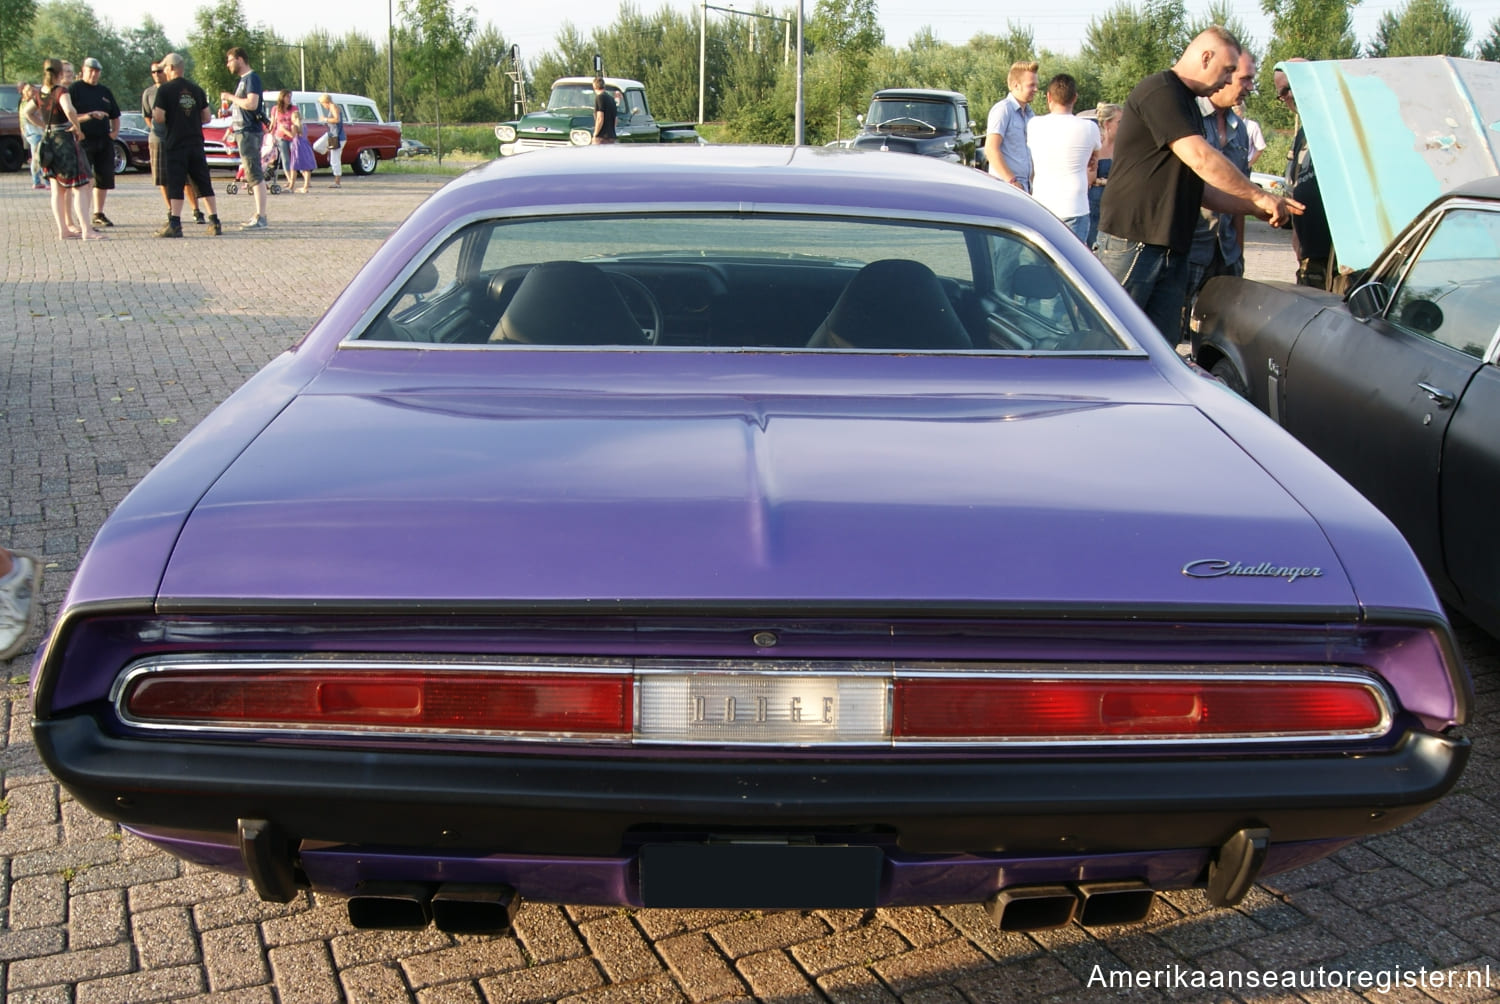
(703, 45)
(799, 121)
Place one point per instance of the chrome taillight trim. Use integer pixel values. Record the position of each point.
(646, 669)
(218, 664)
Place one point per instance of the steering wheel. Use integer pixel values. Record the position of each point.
(642, 304)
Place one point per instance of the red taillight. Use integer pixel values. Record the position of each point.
(938, 708)
(586, 703)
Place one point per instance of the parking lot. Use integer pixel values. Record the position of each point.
(110, 352)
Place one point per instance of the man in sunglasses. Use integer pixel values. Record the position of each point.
(1311, 239)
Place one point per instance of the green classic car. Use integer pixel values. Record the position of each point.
(568, 119)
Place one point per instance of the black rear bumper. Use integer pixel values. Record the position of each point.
(548, 803)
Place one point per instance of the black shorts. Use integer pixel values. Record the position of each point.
(184, 166)
(100, 153)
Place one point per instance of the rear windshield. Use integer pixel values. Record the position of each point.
(742, 281)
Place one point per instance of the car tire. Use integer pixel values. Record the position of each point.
(365, 161)
(122, 158)
(1227, 371)
(12, 154)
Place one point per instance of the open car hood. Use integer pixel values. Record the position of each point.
(1388, 136)
(938, 501)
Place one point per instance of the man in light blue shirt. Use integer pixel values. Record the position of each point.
(1005, 133)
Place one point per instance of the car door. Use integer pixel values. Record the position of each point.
(633, 122)
(1374, 397)
(1470, 490)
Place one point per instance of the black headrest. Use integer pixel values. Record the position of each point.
(569, 303)
(894, 304)
(1035, 282)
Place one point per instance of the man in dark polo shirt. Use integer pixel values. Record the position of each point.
(100, 118)
(1163, 171)
(605, 113)
(158, 165)
(178, 116)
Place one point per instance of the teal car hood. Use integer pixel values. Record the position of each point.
(1390, 135)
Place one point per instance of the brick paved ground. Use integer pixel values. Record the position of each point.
(109, 353)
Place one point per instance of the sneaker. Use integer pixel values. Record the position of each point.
(198, 216)
(39, 188)
(214, 227)
(100, 220)
(17, 592)
(259, 223)
(170, 229)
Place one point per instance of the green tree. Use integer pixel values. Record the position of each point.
(1129, 43)
(1311, 29)
(433, 39)
(68, 29)
(1490, 47)
(1422, 28)
(1221, 13)
(845, 33)
(572, 57)
(15, 24)
(216, 30)
(141, 45)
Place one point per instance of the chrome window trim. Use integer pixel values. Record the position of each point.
(1132, 348)
(638, 669)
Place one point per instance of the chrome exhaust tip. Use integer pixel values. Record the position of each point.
(391, 907)
(475, 909)
(1105, 903)
(1033, 908)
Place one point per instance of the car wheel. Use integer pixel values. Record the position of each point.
(122, 158)
(12, 154)
(1227, 371)
(365, 162)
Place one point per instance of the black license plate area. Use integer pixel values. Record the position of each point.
(760, 876)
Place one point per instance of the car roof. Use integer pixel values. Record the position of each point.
(919, 92)
(337, 96)
(737, 178)
(619, 82)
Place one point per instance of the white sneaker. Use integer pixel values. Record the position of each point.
(17, 603)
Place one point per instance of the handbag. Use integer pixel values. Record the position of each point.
(321, 146)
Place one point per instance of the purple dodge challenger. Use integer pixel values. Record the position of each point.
(752, 528)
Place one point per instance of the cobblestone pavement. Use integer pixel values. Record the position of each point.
(109, 353)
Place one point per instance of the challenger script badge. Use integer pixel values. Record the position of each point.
(1213, 568)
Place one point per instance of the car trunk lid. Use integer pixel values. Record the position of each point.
(1037, 502)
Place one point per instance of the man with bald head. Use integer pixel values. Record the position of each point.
(1164, 170)
(1218, 242)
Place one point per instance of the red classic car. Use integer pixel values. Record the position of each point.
(368, 138)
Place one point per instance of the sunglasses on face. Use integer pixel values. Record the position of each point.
(1283, 90)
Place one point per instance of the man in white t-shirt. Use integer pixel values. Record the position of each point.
(1252, 130)
(1064, 156)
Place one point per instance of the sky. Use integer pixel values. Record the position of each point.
(1060, 27)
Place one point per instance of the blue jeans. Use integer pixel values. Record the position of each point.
(1153, 275)
(1080, 227)
(34, 144)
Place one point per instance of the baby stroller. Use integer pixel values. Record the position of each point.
(270, 159)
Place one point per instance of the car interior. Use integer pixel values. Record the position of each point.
(977, 290)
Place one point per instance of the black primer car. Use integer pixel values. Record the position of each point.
(1396, 386)
(924, 122)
